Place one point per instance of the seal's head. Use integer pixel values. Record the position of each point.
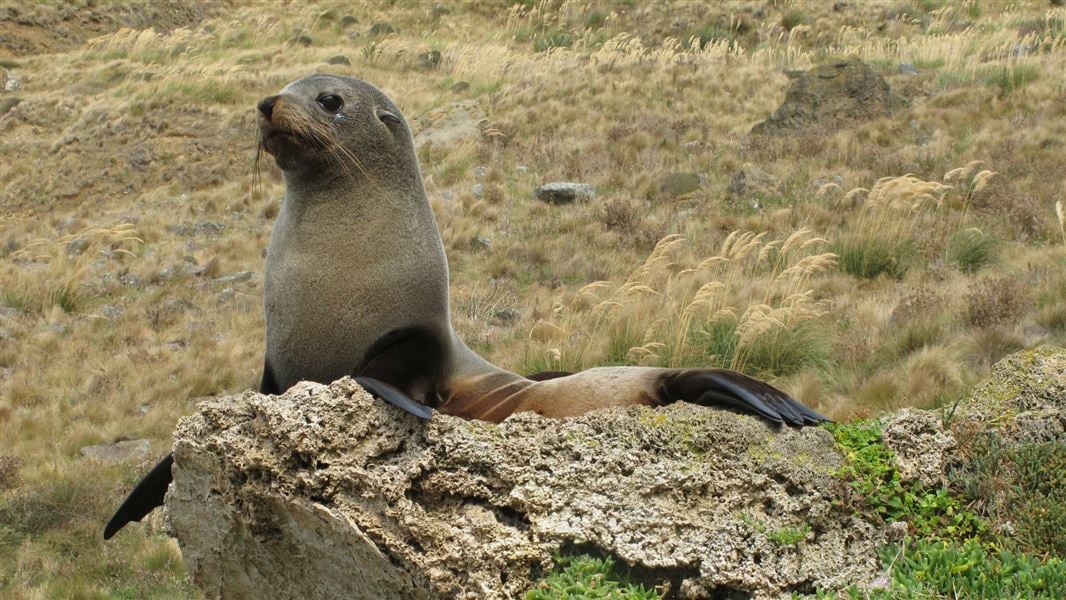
(324, 126)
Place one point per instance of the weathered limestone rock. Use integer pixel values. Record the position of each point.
(1022, 400)
(920, 444)
(324, 492)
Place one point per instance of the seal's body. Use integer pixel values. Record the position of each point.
(356, 284)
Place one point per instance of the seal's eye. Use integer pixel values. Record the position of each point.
(330, 102)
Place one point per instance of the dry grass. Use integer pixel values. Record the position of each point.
(128, 189)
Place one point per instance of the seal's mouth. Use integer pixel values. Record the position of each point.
(273, 141)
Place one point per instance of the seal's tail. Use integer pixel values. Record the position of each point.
(143, 499)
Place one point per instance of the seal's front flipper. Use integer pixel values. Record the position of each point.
(388, 393)
(729, 389)
(144, 498)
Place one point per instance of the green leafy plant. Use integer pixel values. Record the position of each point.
(585, 577)
(878, 488)
(972, 570)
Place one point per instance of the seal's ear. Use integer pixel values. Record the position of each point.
(388, 118)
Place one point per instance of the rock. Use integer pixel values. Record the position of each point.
(451, 124)
(679, 184)
(381, 28)
(505, 316)
(76, 246)
(480, 171)
(235, 278)
(908, 69)
(339, 59)
(564, 193)
(460, 86)
(1023, 399)
(378, 504)
(830, 96)
(478, 190)
(430, 59)
(119, 452)
(920, 444)
(302, 40)
(11, 83)
(6, 104)
(348, 20)
(750, 179)
(480, 242)
(200, 228)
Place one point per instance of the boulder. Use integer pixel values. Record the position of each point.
(118, 452)
(751, 180)
(325, 492)
(451, 124)
(564, 193)
(830, 96)
(680, 184)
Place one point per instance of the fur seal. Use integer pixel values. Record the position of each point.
(356, 283)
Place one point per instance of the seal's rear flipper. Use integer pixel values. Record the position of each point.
(388, 393)
(143, 499)
(729, 389)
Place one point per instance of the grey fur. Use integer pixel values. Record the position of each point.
(355, 253)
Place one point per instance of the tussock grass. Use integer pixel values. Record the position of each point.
(745, 307)
(970, 249)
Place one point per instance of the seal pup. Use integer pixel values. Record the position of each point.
(356, 283)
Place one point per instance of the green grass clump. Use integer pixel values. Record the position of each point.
(868, 256)
(879, 490)
(1009, 78)
(971, 250)
(556, 38)
(939, 569)
(584, 577)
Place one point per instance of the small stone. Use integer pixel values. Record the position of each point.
(348, 20)
(430, 59)
(680, 184)
(112, 311)
(480, 171)
(505, 316)
(522, 169)
(897, 530)
(11, 83)
(235, 278)
(480, 242)
(76, 246)
(753, 180)
(478, 190)
(302, 40)
(460, 86)
(908, 69)
(118, 452)
(564, 193)
(381, 28)
(339, 59)
(6, 104)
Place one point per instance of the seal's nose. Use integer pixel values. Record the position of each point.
(266, 106)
